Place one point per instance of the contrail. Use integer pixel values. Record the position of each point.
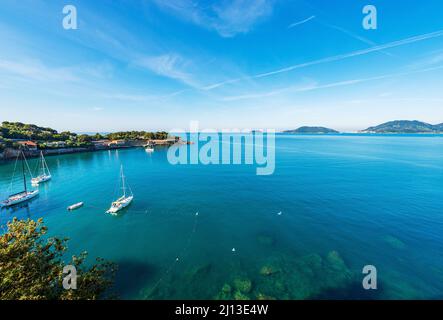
(357, 53)
(300, 22)
(330, 85)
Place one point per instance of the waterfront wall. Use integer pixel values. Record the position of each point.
(10, 153)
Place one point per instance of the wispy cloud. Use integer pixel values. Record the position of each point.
(169, 65)
(292, 25)
(35, 70)
(228, 18)
(431, 59)
(307, 85)
(30, 69)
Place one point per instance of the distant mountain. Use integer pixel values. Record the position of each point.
(405, 126)
(312, 130)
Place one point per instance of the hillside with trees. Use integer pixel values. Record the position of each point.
(406, 126)
(11, 132)
(312, 130)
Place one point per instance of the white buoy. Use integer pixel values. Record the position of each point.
(279, 213)
(196, 213)
(233, 249)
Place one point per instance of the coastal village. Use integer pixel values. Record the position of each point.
(34, 140)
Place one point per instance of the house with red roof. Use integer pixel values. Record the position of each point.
(28, 145)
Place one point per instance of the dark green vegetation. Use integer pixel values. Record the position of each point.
(314, 130)
(11, 131)
(31, 266)
(137, 135)
(406, 126)
(50, 138)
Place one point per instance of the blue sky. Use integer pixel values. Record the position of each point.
(157, 64)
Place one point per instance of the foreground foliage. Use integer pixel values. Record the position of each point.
(31, 266)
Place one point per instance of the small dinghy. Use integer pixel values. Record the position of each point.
(75, 206)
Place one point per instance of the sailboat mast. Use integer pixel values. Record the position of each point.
(123, 181)
(23, 170)
(43, 162)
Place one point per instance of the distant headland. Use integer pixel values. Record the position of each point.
(397, 126)
(405, 126)
(312, 130)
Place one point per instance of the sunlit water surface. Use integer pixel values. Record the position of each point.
(334, 204)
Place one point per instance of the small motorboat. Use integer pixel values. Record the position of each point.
(75, 206)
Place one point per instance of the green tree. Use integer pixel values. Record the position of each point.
(31, 266)
(97, 136)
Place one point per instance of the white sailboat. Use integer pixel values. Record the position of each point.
(126, 198)
(149, 147)
(45, 174)
(22, 196)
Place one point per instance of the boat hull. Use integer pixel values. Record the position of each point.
(19, 199)
(75, 206)
(121, 205)
(40, 179)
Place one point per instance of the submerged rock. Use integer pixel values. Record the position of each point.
(243, 285)
(395, 242)
(261, 296)
(268, 270)
(337, 274)
(265, 239)
(226, 288)
(310, 266)
(334, 261)
(304, 277)
(225, 293)
(240, 296)
(199, 270)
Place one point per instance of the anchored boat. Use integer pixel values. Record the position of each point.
(126, 198)
(149, 147)
(45, 174)
(24, 195)
(75, 206)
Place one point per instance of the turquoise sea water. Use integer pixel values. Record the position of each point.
(345, 201)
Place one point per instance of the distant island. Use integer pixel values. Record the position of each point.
(311, 130)
(405, 126)
(396, 126)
